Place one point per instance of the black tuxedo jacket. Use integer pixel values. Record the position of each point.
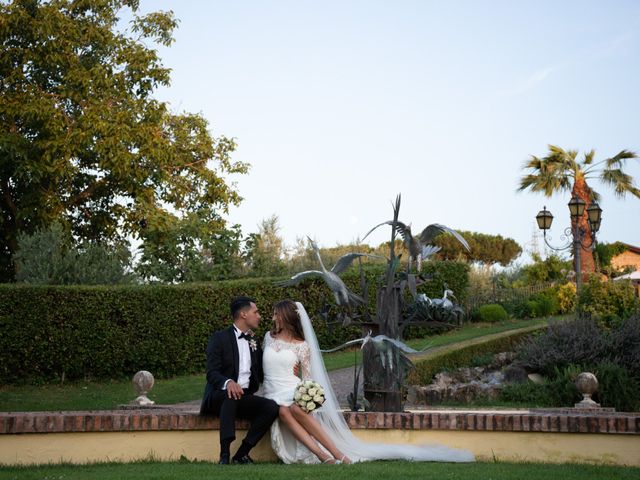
(223, 364)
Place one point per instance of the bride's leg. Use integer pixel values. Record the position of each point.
(313, 427)
(302, 435)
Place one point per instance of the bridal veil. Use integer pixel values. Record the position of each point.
(331, 418)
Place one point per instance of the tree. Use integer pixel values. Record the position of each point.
(487, 249)
(82, 140)
(552, 268)
(189, 251)
(49, 257)
(265, 249)
(560, 171)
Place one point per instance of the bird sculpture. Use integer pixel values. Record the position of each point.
(420, 247)
(386, 347)
(444, 302)
(342, 295)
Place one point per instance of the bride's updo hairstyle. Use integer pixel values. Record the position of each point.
(289, 319)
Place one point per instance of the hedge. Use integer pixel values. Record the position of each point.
(54, 333)
(463, 357)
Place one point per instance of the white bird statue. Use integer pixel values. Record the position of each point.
(444, 302)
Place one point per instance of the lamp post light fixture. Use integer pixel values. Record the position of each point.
(576, 235)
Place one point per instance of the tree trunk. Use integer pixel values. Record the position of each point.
(587, 263)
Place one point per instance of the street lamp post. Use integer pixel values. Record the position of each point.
(577, 234)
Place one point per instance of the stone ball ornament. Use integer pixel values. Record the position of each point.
(587, 385)
(142, 383)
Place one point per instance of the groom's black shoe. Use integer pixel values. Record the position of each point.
(243, 460)
(224, 459)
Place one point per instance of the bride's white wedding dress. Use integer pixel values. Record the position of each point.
(278, 361)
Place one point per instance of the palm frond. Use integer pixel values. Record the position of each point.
(588, 157)
(621, 182)
(618, 160)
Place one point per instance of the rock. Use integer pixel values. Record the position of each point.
(536, 378)
(501, 359)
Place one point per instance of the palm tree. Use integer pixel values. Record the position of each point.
(560, 171)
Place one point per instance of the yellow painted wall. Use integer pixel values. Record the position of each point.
(203, 445)
(626, 259)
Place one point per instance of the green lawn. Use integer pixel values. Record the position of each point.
(110, 394)
(403, 470)
(337, 360)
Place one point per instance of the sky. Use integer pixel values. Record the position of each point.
(341, 105)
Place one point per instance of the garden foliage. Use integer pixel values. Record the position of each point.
(492, 313)
(52, 333)
(613, 354)
(607, 301)
(449, 360)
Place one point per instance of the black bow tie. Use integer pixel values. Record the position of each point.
(245, 336)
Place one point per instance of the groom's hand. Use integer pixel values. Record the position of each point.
(234, 390)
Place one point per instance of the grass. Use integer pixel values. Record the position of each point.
(96, 395)
(110, 394)
(334, 361)
(271, 471)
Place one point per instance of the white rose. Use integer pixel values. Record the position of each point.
(311, 406)
(318, 399)
(302, 390)
(302, 403)
(306, 398)
(320, 391)
(308, 383)
(297, 396)
(312, 391)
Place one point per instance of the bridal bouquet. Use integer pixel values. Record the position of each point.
(309, 395)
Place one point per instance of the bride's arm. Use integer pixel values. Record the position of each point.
(304, 358)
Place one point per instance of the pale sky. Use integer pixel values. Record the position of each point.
(340, 105)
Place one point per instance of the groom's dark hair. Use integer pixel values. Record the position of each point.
(240, 303)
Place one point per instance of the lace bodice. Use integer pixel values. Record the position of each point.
(299, 349)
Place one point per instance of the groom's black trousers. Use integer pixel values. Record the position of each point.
(260, 411)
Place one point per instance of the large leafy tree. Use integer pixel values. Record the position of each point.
(562, 171)
(484, 248)
(83, 142)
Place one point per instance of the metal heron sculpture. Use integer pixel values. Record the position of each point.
(343, 296)
(420, 247)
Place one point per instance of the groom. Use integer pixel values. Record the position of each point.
(234, 373)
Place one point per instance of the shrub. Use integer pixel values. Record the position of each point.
(625, 345)
(523, 308)
(578, 342)
(567, 297)
(557, 391)
(616, 388)
(50, 333)
(527, 393)
(545, 304)
(425, 370)
(492, 313)
(607, 301)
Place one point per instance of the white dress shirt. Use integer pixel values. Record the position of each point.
(244, 361)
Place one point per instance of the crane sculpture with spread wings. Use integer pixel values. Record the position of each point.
(342, 294)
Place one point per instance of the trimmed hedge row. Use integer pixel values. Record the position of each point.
(425, 370)
(52, 333)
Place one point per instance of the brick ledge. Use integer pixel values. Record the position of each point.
(174, 419)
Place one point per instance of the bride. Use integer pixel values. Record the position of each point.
(322, 436)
